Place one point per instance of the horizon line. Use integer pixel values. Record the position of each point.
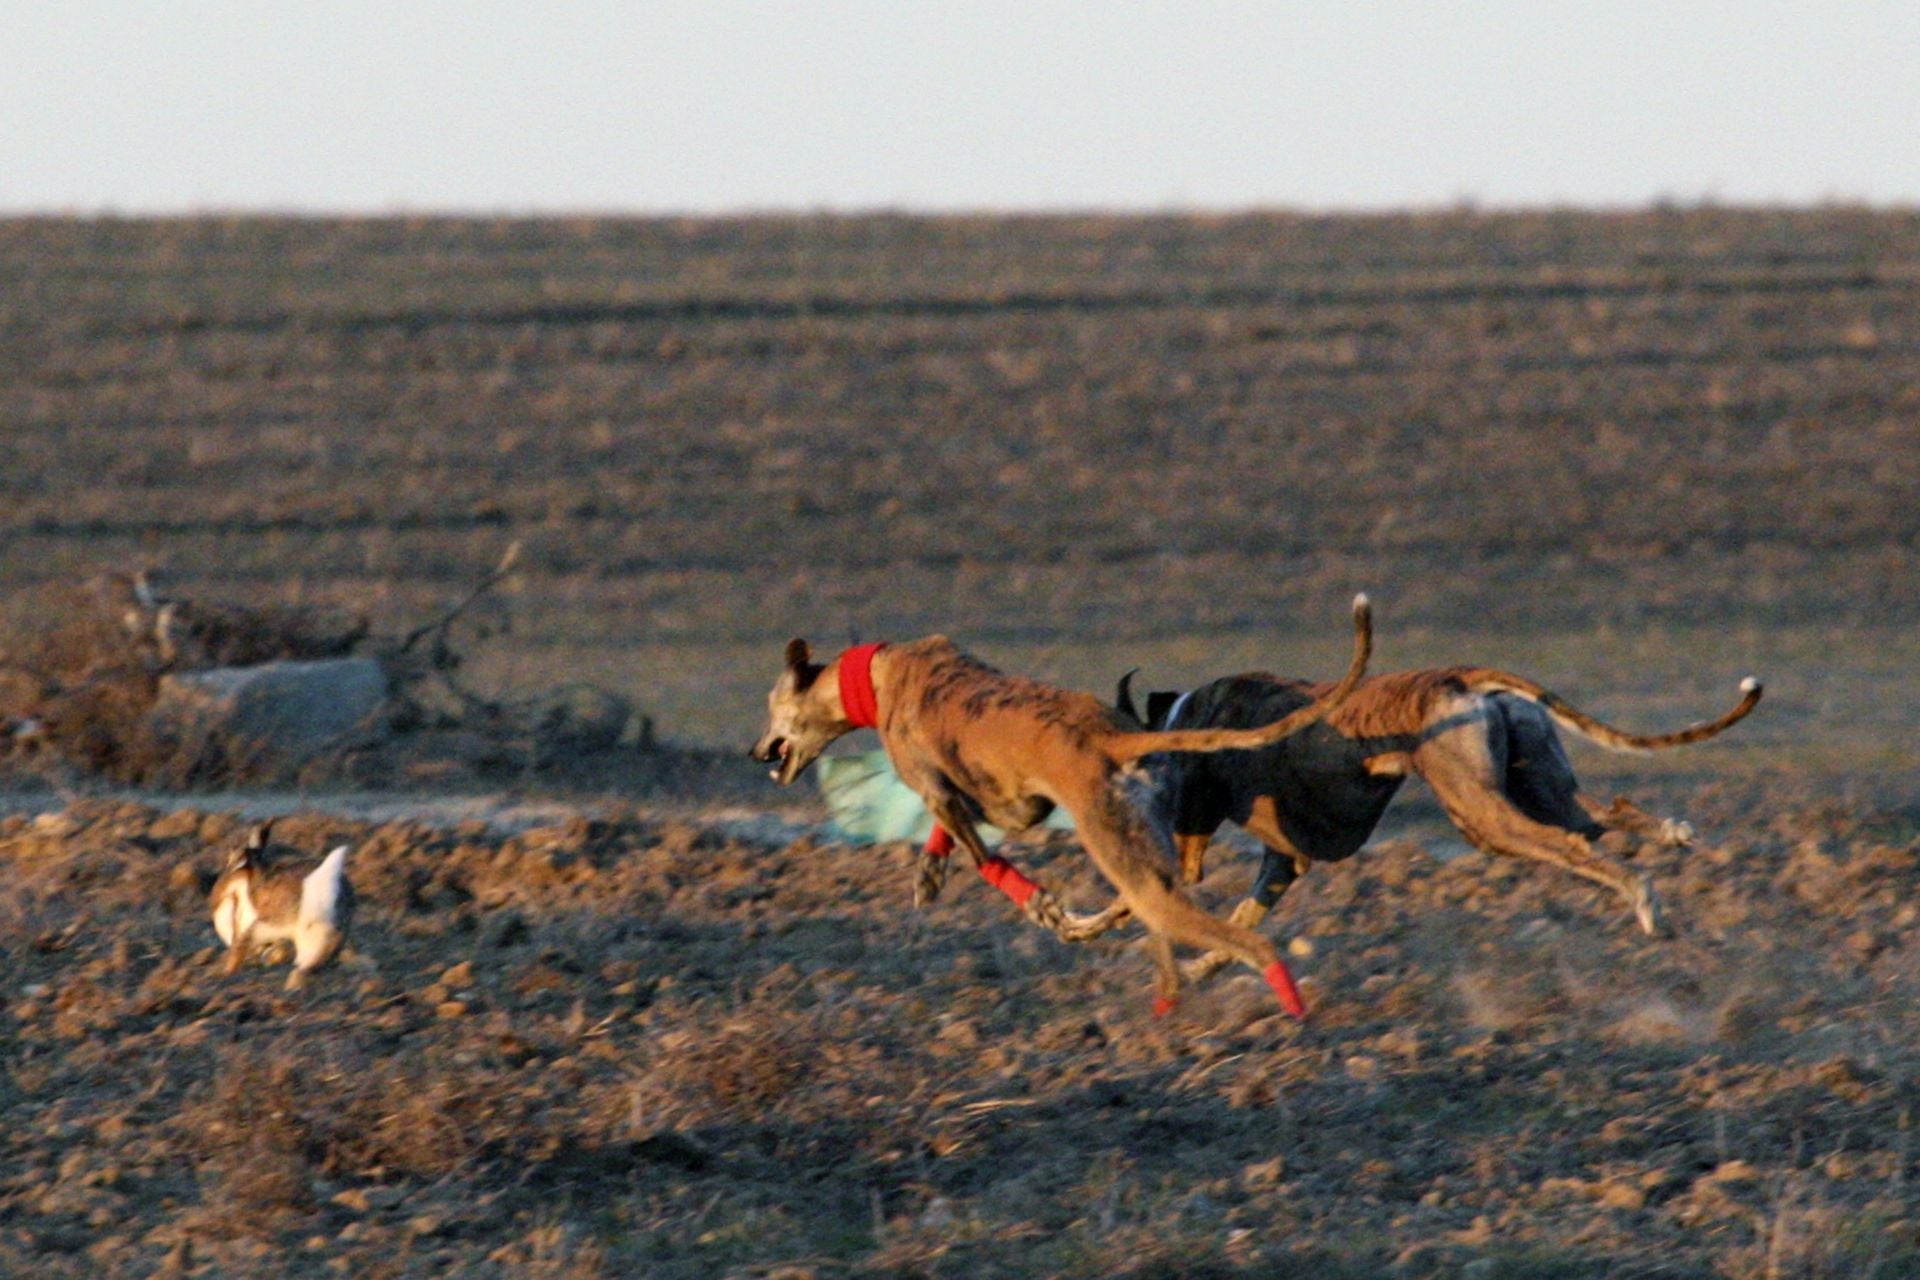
(1465, 206)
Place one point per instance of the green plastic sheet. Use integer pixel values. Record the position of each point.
(869, 804)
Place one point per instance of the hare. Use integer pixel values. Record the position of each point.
(258, 904)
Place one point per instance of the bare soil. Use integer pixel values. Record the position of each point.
(634, 1044)
(712, 435)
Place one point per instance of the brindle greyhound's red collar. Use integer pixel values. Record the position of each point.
(857, 698)
(862, 708)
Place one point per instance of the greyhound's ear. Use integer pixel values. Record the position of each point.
(257, 838)
(1123, 696)
(1159, 703)
(800, 663)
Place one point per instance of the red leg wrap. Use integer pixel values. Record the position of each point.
(1282, 983)
(1006, 877)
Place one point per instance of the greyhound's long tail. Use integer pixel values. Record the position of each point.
(1487, 680)
(1131, 746)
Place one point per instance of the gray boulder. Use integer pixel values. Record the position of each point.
(289, 707)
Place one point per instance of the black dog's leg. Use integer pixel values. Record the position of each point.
(1277, 872)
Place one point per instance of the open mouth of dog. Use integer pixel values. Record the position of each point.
(779, 753)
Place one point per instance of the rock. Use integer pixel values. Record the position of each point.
(459, 975)
(293, 708)
(1845, 1078)
(184, 886)
(1264, 1173)
(938, 1214)
(179, 825)
(1864, 944)
(56, 825)
(354, 1199)
(1622, 1195)
(1733, 1171)
(1842, 1165)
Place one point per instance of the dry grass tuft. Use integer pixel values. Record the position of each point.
(255, 1140)
(741, 1071)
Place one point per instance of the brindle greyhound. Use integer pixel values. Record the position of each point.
(982, 746)
(1483, 739)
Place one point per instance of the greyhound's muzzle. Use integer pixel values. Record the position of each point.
(773, 751)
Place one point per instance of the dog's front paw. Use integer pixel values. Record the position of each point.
(1045, 910)
(1086, 928)
(1675, 834)
(1201, 968)
(930, 880)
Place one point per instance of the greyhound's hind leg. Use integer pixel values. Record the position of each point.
(1460, 776)
(1122, 844)
(1624, 815)
(1278, 870)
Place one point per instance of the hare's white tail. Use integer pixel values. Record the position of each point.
(320, 891)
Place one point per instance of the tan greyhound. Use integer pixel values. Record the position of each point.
(979, 745)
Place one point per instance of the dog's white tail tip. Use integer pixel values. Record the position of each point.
(1361, 603)
(1749, 685)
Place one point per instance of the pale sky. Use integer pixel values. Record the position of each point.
(139, 106)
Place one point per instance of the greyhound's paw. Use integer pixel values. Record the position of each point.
(1045, 910)
(1084, 928)
(1196, 971)
(1646, 907)
(932, 878)
(1675, 834)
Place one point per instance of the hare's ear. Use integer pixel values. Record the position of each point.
(256, 839)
